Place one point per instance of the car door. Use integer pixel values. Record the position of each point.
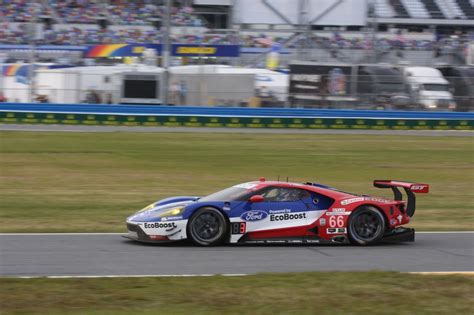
(317, 205)
(282, 208)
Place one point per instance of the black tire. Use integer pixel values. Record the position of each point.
(366, 226)
(207, 227)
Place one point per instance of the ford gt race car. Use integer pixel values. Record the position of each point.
(279, 212)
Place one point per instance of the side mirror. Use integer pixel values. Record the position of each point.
(257, 198)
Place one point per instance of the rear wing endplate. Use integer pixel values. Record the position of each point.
(410, 189)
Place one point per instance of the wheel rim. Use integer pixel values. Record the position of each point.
(367, 225)
(207, 227)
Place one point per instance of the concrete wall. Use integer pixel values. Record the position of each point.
(214, 89)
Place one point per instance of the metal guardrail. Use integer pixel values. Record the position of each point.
(233, 117)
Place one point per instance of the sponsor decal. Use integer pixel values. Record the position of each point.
(287, 216)
(338, 209)
(226, 206)
(399, 218)
(246, 185)
(353, 200)
(312, 241)
(279, 211)
(196, 50)
(335, 230)
(160, 225)
(238, 227)
(338, 213)
(419, 188)
(253, 215)
(393, 221)
(322, 221)
(336, 221)
(295, 241)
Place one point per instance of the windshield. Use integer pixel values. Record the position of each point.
(436, 87)
(391, 87)
(228, 194)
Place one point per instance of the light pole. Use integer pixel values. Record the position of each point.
(165, 53)
(32, 55)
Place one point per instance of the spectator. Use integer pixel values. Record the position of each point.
(183, 90)
(92, 97)
(3, 99)
(42, 98)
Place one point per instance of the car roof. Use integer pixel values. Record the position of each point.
(315, 187)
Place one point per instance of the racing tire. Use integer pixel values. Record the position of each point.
(366, 226)
(207, 227)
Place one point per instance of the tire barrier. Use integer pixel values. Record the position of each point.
(170, 116)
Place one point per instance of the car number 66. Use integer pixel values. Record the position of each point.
(336, 221)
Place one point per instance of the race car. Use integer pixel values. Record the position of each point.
(280, 212)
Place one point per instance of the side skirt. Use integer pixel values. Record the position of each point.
(339, 239)
(400, 234)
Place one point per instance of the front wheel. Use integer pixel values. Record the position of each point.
(366, 226)
(207, 227)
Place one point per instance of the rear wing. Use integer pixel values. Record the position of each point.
(410, 189)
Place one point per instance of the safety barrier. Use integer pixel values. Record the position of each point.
(233, 117)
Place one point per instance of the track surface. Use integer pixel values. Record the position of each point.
(80, 128)
(110, 254)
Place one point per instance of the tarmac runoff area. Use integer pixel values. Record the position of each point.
(90, 255)
(80, 128)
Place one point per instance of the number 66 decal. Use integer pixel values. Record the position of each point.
(336, 221)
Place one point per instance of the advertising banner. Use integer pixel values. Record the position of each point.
(177, 50)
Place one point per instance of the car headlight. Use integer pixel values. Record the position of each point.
(172, 212)
(149, 207)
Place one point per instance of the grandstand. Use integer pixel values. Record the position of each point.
(426, 9)
(401, 24)
(417, 32)
(115, 21)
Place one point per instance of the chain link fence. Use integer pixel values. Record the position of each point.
(227, 86)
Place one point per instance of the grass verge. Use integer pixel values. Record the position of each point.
(292, 293)
(89, 182)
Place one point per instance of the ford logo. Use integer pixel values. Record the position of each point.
(253, 215)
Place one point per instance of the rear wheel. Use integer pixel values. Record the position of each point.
(366, 226)
(207, 227)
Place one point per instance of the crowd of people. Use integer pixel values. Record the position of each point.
(94, 35)
(138, 13)
(120, 12)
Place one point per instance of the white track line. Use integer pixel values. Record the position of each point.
(99, 233)
(469, 273)
(48, 234)
(132, 276)
(447, 273)
(444, 232)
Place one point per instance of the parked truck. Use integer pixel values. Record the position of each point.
(428, 88)
(347, 86)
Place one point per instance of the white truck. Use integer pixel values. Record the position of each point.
(428, 88)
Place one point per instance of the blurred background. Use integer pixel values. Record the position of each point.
(356, 54)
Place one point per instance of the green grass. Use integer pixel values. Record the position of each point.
(292, 293)
(89, 182)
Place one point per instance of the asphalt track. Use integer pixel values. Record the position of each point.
(112, 255)
(81, 128)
